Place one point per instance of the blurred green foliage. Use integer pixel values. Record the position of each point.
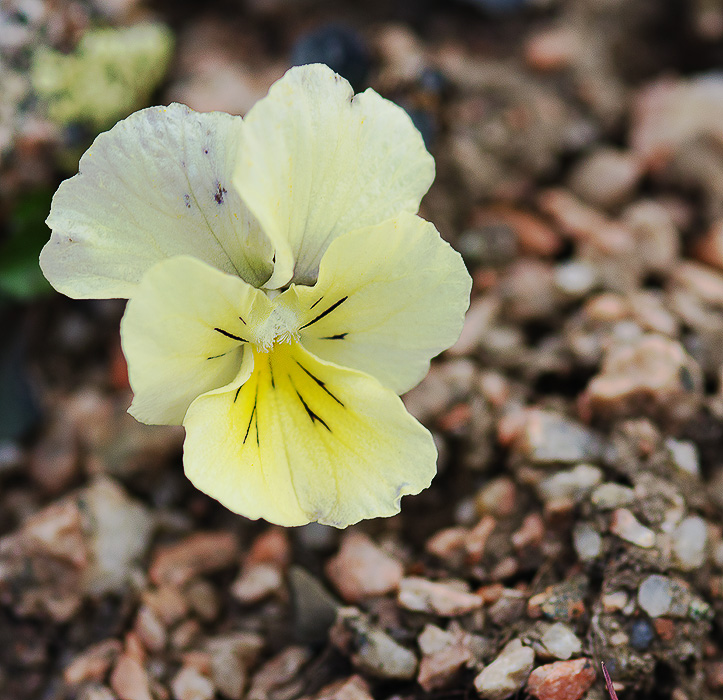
(20, 275)
(111, 73)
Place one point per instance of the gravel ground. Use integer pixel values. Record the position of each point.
(576, 517)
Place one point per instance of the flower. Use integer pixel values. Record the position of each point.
(282, 291)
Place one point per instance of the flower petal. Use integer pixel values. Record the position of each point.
(303, 440)
(316, 163)
(405, 292)
(158, 184)
(185, 332)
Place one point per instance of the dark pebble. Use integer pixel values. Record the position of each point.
(641, 635)
(496, 6)
(340, 47)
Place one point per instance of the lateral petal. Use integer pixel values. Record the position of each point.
(303, 440)
(187, 331)
(318, 161)
(405, 292)
(158, 184)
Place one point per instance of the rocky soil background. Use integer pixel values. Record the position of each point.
(576, 517)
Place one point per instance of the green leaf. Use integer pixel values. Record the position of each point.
(20, 274)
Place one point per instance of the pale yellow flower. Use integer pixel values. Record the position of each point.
(282, 291)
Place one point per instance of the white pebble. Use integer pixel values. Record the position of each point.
(690, 540)
(587, 541)
(659, 595)
(626, 526)
(561, 641)
(685, 455)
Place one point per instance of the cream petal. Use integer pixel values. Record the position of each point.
(158, 184)
(404, 290)
(318, 162)
(186, 331)
(302, 440)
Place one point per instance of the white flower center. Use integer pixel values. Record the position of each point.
(281, 326)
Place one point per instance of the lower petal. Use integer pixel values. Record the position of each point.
(303, 440)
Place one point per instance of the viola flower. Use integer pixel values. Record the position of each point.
(282, 291)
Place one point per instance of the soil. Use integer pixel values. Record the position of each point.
(576, 516)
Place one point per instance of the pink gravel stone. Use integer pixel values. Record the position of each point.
(129, 679)
(198, 554)
(562, 680)
(361, 570)
(443, 599)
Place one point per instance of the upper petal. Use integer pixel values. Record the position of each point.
(303, 440)
(186, 331)
(318, 161)
(388, 299)
(158, 184)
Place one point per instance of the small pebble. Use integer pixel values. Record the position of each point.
(278, 671)
(610, 496)
(362, 570)
(548, 438)
(561, 641)
(475, 540)
(650, 373)
(562, 680)
(508, 608)
(626, 526)
(185, 634)
(352, 688)
(314, 608)
(190, 684)
(531, 532)
(553, 48)
(563, 602)
(200, 553)
(574, 484)
(232, 656)
(167, 603)
(507, 674)
(662, 596)
(685, 455)
(129, 679)
(271, 547)
(587, 541)
(422, 595)
(575, 278)
(613, 602)
(93, 663)
(690, 543)
(96, 692)
(447, 542)
(444, 654)
(606, 178)
(370, 649)
(203, 599)
(497, 498)
(339, 46)
(257, 582)
(709, 248)
(317, 537)
(150, 629)
(641, 635)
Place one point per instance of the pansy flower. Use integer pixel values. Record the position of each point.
(282, 291)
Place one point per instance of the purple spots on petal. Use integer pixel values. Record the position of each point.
(220, 192)
(187, 200)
